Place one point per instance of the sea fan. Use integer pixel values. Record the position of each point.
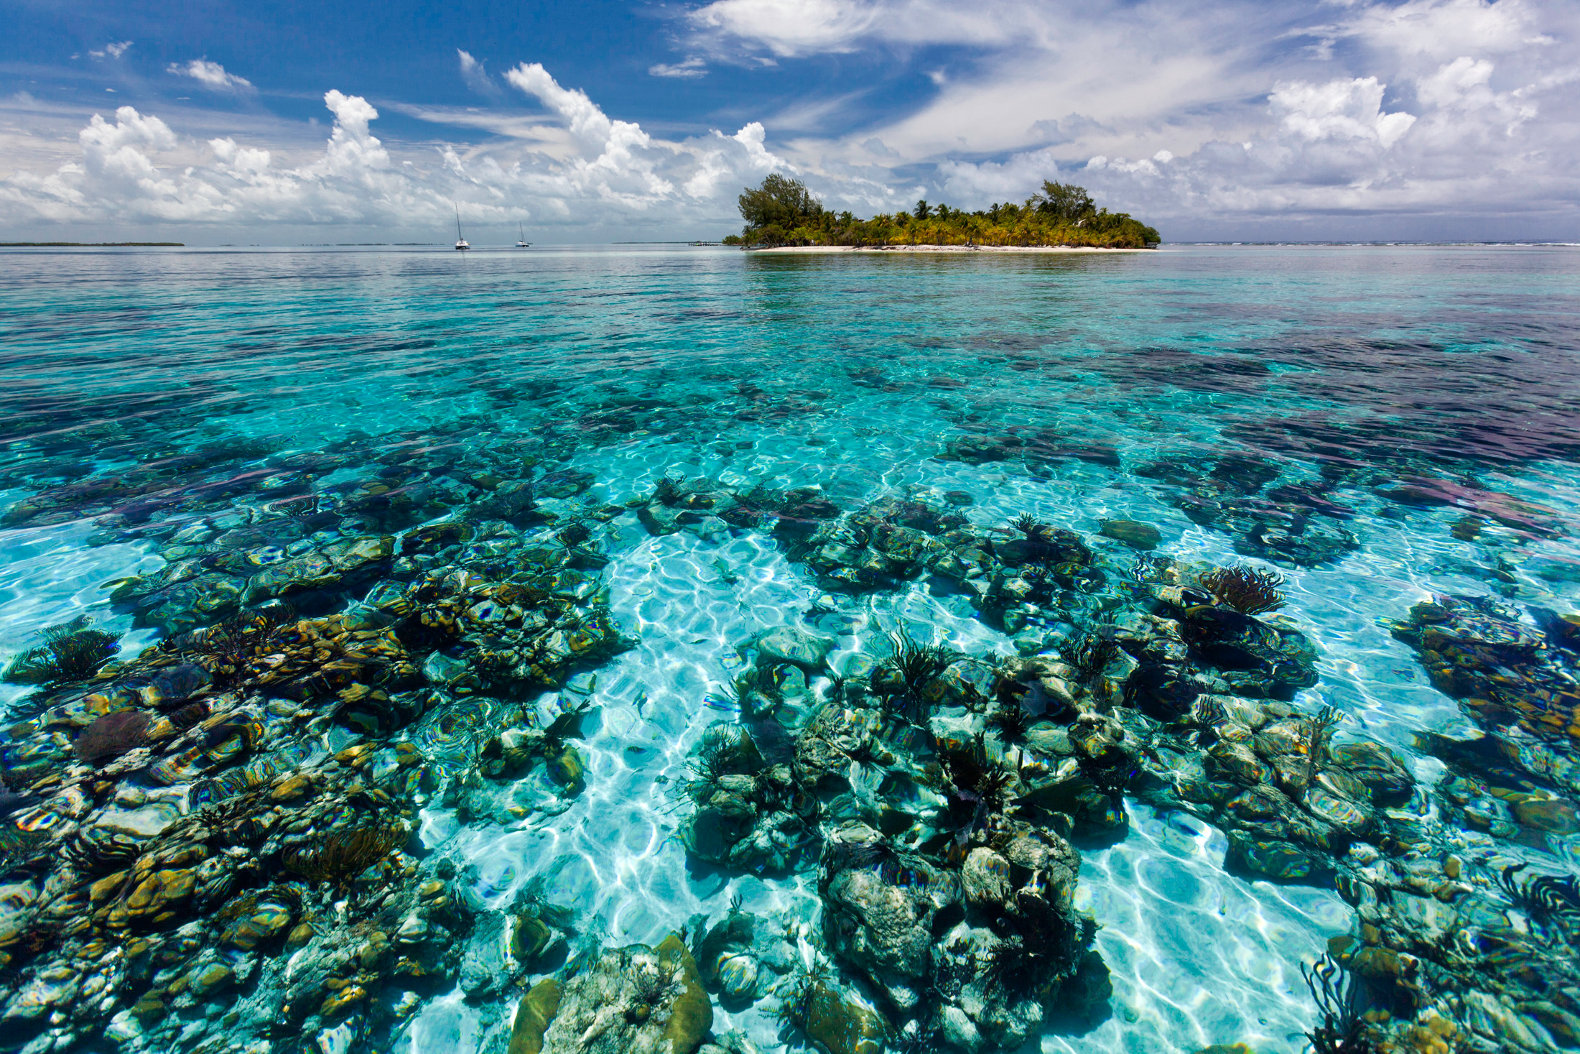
(188, 716)
(1090, 656)
(234, 643)
(339, 856)
(72, 652)
(1247, 591)
(111, 736)
(233, 819)
(19, 848)
(1319, 730)
(1011, 720)
(917, 665)
(667, 490)
(725, 750)
(1338, 1000)
(1029, 526)
(880, 856)
(979, 790)
(1545, 898)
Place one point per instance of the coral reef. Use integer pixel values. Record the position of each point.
(1247, 591)
(69, 653)
(213, 844)
(213, 838)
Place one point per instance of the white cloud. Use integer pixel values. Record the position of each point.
(210, 74)
(353, 149)
(1434, 29)
(1135, 75)
(1009, 180)
(1455, 82)
(794, 28)
(113, 50)
(688, 68)
(618, 161)
(1175, 110)
(1340, 109)
(475, 75)
(585, 167)
(1203, 112)
(789, 27)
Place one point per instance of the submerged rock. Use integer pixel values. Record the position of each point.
(882, 923)
(795, 646)
(236, 818)
(635, 1000)
(1480, 652)
(746, 813)
(1134, 533)
(834, 1021)
(533, 1014)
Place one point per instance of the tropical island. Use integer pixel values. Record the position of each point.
(781, 213)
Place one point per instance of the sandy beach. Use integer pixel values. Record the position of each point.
(787, 249)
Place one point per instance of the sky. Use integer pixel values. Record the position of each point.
(275, 122)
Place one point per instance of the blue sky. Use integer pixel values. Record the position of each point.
(212, 121)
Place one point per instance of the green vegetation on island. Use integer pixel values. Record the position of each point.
(781, 211)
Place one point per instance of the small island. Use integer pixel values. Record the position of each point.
(782, 215)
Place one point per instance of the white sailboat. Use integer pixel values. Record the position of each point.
(461, 244)
(521, 242)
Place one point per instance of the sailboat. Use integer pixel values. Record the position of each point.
(521, 242)
(461, 244)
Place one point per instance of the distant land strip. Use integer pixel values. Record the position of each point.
(88, 245)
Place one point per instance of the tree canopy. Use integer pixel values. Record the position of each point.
(1065, 201)
(779, 202)
(781, 211)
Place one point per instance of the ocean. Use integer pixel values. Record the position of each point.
(428, 625)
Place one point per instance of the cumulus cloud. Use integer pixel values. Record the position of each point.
(619, 161)
(595, 168)
(1340, 109)
(113, 50)
(1173, 108)
(475, 76)
(789, 27)
(211, 75)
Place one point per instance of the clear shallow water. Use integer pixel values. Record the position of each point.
(1053, 386)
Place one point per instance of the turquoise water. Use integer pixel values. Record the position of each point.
(1377, 425)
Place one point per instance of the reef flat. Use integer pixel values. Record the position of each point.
(680, 651)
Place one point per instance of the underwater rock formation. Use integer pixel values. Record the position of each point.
(211, 843)
(1505, 671)
(635, 1000)
(945, 786)
(224, 824)
(747, 814)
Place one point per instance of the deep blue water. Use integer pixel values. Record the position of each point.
(1376, 424)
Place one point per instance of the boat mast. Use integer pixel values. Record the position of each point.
(457, 222)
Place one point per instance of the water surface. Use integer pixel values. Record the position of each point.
(1384, 397)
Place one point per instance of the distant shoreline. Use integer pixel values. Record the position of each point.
(92, 245)
(797, 249)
